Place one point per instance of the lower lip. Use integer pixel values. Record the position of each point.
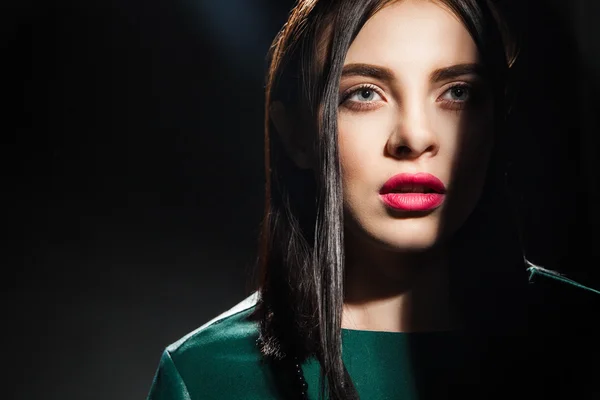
(413, 201)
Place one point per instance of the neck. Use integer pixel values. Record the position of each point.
(396, 292)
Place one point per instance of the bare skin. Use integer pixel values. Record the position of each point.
(408, 120)
(413, 100)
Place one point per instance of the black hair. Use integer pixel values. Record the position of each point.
(301, 258)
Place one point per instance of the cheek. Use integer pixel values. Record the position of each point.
(468, 159)
(464, 137)
(473, 145)
(361, 141)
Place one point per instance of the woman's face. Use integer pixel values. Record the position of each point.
(413, 103)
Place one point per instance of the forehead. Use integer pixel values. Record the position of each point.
(423, 34)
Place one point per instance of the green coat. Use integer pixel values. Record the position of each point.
(220, 360)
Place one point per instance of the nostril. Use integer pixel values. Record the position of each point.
(404, 150)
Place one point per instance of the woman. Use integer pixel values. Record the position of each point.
(389, 265)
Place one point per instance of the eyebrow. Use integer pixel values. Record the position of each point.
(369, 70)
(386, 74)
(455, 71)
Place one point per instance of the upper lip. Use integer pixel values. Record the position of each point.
(413, 183)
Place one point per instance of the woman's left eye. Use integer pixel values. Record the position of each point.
(459, 93)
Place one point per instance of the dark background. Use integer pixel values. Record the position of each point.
(133, 173)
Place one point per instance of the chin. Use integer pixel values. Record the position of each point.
(409, 235)
(404, 235)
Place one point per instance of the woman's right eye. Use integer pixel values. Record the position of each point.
(364, 94)
(362, 98)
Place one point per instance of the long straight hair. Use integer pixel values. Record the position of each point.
(301, 255)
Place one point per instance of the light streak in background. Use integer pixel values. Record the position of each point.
(239, 27)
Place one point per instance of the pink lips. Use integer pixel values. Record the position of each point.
(413, 192)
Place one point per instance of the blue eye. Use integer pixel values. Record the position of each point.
(362, 98)
(364, 94)
(458, 93)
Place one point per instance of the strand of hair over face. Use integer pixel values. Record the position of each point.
(302, 283)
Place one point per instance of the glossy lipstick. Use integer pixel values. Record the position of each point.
(413, 192)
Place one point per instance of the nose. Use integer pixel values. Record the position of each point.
(412, 136)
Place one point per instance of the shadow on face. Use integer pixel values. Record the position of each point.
(414, 99)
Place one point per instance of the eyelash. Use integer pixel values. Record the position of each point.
(454, 105)
(360, 106)
(458, 105)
